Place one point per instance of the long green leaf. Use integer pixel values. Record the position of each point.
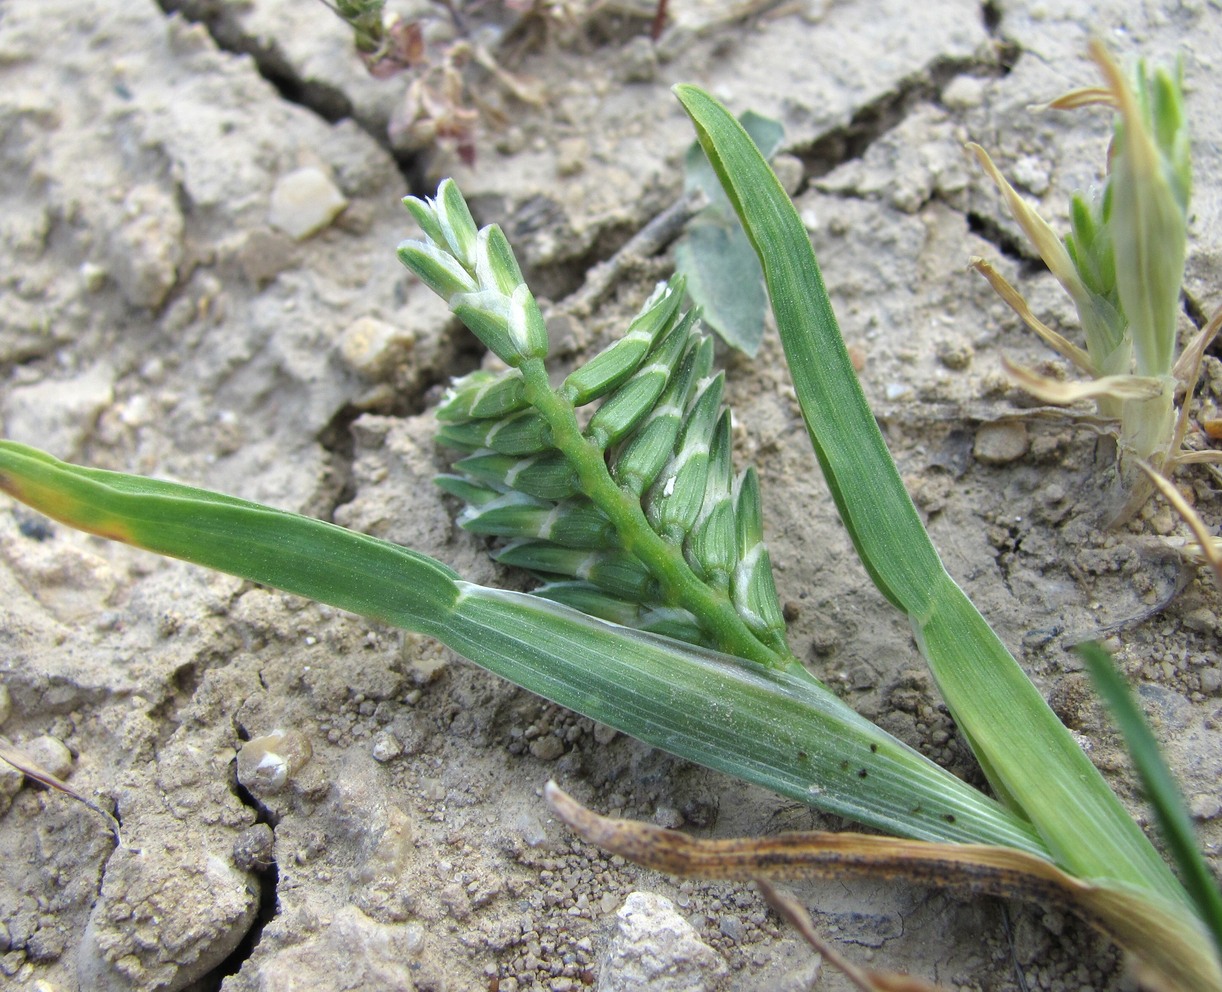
(767, 726)
(1029, 756)
(1163, 794)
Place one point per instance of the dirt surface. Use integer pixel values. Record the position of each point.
(154, 319)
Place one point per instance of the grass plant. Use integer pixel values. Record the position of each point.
(661, 618)
(1122, 264)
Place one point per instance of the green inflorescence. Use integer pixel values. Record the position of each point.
(658, 438)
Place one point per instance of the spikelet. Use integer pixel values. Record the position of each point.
(645, 454)
(571, 524)
(628, 405)
(521, 433)
(481, 395)
(475, 271)
(711, 547)
(548, 475)
(674, 500)
(751, 585)
(611, 367)
(669, 621)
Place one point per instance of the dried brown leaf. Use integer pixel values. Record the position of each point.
(1118, 387)
(1211, 456)
(1168, 940)
(1014, 299)
(1088, 96)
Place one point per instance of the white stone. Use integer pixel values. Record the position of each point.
(373, 347)
(51, 755)
(304, 202)
(964, 92)
(146, 248)
(386, 747)
(655, 948)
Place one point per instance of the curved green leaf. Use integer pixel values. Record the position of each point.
(1029, 756)
(777, 729)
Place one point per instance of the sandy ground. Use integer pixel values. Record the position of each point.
(153, 320)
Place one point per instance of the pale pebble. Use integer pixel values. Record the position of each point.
(654, 947)
(304, 202)
(1000, 443)
(50, 754)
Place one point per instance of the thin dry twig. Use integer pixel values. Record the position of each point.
(32, 770)
(647, 242)
(1205, 539)
(866, 979)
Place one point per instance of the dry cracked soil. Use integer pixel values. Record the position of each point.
(198, 208)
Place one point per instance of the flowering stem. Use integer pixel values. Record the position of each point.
(665, 560)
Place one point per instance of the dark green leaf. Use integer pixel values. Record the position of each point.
(1159, 786)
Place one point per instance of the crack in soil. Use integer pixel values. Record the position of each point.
(1195, 311)
(259, 858)
(874, 119)
(1006, 244)
(328, 102)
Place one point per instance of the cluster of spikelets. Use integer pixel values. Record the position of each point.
(659, 435)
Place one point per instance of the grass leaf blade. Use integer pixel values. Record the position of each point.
(1022, 746)
(771, 727)
(1159, 786)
